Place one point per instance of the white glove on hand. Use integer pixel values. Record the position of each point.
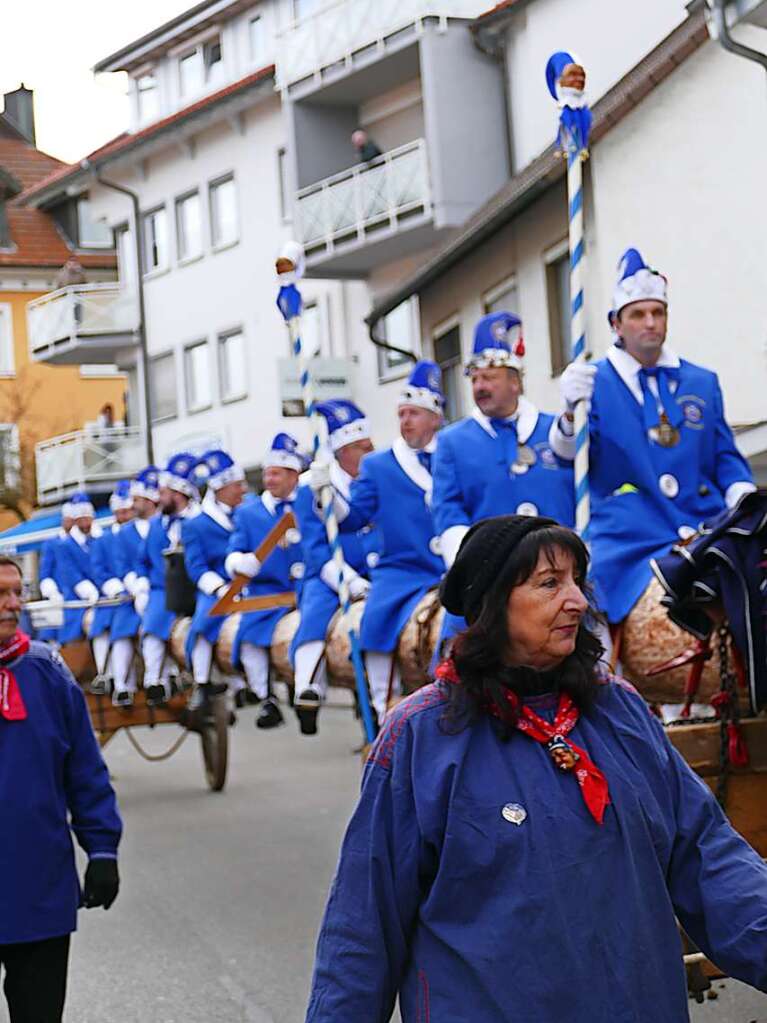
(86, 590)
(577, 383)
(319, 476)
(50, 590)
(242, 563)
(358, 587)
(140, 602)
(113, 588)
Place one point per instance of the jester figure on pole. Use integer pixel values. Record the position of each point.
(566, 80)
(290, 268)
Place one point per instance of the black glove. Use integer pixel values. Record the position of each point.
(102, 882)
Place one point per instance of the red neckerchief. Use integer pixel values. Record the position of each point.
(565, 754)
(11, 704)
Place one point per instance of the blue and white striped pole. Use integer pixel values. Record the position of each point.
(290, 304)
(573, 137)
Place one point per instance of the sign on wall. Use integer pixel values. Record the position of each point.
(331, 378)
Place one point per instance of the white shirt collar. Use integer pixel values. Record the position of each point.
(525, 417)
(270, 502)
(407, 459)
(627, 367)
(217, 510)
(340, 479)
(79, 537)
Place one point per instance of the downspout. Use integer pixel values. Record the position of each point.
(717, 8)
(144, 354)
(384, 345)
(494, 45)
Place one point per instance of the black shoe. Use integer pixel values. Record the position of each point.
(100, 685)
(250, 697)
(122, 699)
(270, 715)
(156, 695)
(307, 706)
(239, 699)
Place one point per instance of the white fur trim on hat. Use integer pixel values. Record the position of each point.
(233, 474)
(178, 483)
(120, 503)
(421, 397)
(283, 460)
(643, 286)
(357, 429)
(492, 358)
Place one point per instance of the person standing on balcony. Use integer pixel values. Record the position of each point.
(349, 438)
(279, 572)
(498, 461)
(50, 588)
(206, 541)
(366, 148)
(71, 273)
(73, 559)
(145, 494)
(178, 499)
(107, 630)
(393, 490)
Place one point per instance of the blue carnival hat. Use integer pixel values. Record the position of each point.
(217, 468)
(178, 475)
(146, 484)
(66, 510)
(346, 422)
(122, 496)
(284, 454)
(424, 387)
(497, 342)
(80, 505)
(637, 282)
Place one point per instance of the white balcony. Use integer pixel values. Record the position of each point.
(82, 323)
(92, 459)
(344, 33)
(370, 202)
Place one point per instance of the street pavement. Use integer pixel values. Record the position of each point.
(222, 894)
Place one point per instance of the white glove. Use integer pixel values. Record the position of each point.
(140, 602)
(242, 563)
(577, 383)
(86, 590)
(319, 475)
(50, 590)
(113, 588)
(358, 587)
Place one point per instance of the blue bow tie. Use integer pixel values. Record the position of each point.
(507, 432)
(281, 507)
(424, 457)
(662, 375)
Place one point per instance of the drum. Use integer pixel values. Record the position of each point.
(282, 637)
(338, 648)
(180, 591)
(649, 639)
(177, 642)
(225, 644)
(78, 655)
(418, 641)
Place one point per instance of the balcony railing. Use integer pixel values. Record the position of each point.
(366, 199)
(342, 28)
(82, 319)
(87, 459)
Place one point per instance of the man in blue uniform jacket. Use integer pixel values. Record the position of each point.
(349, 441)
(52, 778)
(661, 455)
(279, 572)
(73, 562)
(394, 491)
(178, 501)
(206, 540)
(49, 573)
(499, 460)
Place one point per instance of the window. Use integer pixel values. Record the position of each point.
(91, 233)
(189, 226)
(199, 392)
(7, 363)
(99, 369)
(203, 65)
(223, 212)
(558, 300)
(232, 368)
(163, 387)
(447, 354)
(213, 61)
(257, 38)
(311, 330)
(283, 183)
(190, 72)
(10, 457)
(502, 298)
(399, 328)
(148, 97)
(155, 240)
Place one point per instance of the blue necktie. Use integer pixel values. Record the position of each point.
(507, 431)
(281, 507)
(424, 457)
(662, 375)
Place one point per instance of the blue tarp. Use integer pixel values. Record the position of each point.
(32, 534)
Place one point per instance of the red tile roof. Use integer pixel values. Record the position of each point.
(39, 243)
(127, 140)
(27, 164)
(499, 7)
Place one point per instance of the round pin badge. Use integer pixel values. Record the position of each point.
(435, 545)
(372, 559)
(297, 570)
(669, 485)
(514, 813)
(686, 532)
(292, 536)
(527, 508)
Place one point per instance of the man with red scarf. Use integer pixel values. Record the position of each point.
(52, 779)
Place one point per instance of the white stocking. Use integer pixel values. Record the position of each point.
(309, 672)
(202, 659)
(153, 651)
(379, 670)
(255, 661)
(100, 645)
(123, 669)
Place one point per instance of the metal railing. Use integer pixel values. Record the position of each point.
(75, 461)
(341, 28)
(80, 311)
(349, 205)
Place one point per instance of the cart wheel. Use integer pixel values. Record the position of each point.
(215, 743)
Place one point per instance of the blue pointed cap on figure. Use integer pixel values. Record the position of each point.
(498, 342)
(146, 484)
(121, 498)
(178, 475)
(637, 282)
(346, 422)
(284, 454)
(424, 387)
(217, 469)
(80, 506)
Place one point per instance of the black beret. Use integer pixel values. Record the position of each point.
(481, 558)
